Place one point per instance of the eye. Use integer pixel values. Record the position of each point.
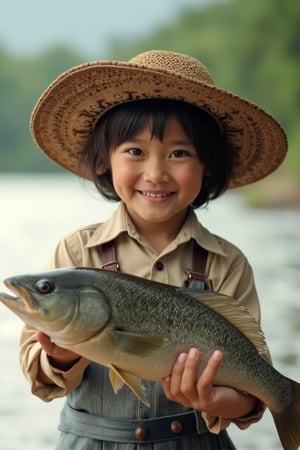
(44, 286)
(135, 151)
(179, 154)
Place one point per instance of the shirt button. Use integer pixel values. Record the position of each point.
(159, 265)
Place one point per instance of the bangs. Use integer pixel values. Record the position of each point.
(127, 120)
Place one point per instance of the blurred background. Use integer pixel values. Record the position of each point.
(251, 48)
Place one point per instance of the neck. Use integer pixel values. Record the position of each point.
(159, 235)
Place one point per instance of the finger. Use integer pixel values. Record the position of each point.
(172, 383)
(206, 381)
(190, 374)
(166, 383)
(45, 342)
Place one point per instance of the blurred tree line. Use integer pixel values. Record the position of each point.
(251, 48)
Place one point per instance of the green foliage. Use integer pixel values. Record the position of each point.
(21, 82)
(251, 47)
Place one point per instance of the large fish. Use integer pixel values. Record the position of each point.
(137, 327)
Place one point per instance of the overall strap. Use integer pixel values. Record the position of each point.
(108, 255)
(196, 277)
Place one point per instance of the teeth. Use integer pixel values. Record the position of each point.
(153, 195)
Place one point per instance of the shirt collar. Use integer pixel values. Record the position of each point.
(193, 229)
(120, 223)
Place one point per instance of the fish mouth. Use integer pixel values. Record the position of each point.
(14, 303)
(5, 296)
(21, 294)
(13, 289)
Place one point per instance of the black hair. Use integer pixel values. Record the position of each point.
(124, 121)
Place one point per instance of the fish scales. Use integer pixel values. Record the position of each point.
(137, 327)
(199, 327)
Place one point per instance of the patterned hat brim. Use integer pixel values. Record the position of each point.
(66, 113)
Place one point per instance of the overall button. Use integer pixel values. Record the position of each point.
(159, 265)
(140, 433)
(176, 426)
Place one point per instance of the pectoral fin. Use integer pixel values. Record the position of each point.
(137, 344)
(119, 377)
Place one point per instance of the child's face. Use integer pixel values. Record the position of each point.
(157, 180)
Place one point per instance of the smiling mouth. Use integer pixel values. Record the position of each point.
(156, 194)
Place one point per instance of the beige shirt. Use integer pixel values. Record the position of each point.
(227, 268)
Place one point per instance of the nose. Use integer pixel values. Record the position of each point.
(155, 172)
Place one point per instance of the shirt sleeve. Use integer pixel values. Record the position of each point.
(33, 359)
(233, 276)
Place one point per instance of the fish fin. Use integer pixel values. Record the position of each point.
(287, 422)
(119, 377)
(235, 313)
(116, 382)
(138, 344)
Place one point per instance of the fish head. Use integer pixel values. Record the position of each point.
(63, 303)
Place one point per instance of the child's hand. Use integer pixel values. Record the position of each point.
(59, 357)
(184, 386)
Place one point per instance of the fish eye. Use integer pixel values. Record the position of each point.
(44, 286)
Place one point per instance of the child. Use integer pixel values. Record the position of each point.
(156, 135)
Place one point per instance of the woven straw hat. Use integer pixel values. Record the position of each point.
(66, 113)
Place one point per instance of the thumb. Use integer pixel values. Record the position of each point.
(45, 342)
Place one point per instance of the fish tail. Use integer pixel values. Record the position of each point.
(288, 422)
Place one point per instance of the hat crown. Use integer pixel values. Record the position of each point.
(175, 63)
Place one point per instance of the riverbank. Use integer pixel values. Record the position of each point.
(278, 191)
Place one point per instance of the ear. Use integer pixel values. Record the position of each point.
(101, 169)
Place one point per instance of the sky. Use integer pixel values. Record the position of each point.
(30, 26)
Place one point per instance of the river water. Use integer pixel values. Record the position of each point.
(36, 211)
